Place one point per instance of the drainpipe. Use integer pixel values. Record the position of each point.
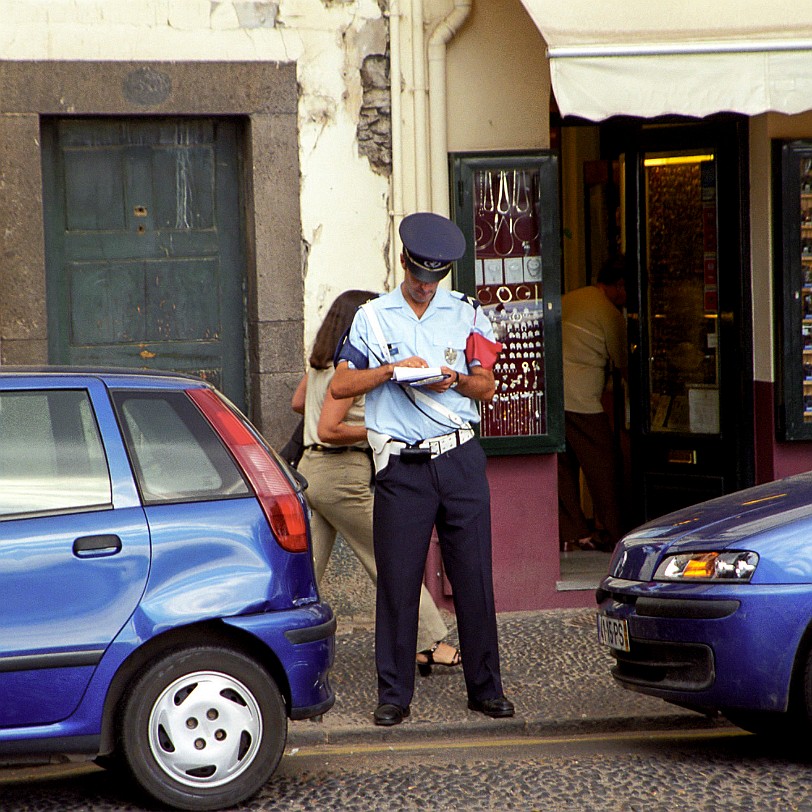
(442, 34)
(395, 84)
(421, 135)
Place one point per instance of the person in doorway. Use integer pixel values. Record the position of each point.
(594, 341)
(337, 465)
(430, 470)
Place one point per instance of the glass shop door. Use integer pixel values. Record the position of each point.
(690, 375)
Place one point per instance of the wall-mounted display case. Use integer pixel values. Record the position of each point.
(793, 207)
(508, 207)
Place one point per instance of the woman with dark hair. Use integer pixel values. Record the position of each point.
(337, 466)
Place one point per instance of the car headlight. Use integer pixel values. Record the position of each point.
(737, 566)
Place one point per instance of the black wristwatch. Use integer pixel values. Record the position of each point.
(456, 380)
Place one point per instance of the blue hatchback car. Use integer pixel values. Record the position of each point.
(160, 612)
(711, 607)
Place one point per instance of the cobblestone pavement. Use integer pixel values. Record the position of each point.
(672, 773)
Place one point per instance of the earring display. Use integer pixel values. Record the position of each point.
(509, 285)
(519, 407)
(507, 205)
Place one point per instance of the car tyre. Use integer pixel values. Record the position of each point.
(203, 728)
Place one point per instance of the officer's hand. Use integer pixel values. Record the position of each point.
(413, 361)
(446, 383)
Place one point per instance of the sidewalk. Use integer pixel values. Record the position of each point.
(553, 669)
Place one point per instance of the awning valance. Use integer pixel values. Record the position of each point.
(657, 57)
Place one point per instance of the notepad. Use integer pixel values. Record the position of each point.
(419, 376)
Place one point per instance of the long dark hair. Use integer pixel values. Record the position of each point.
(338, 319)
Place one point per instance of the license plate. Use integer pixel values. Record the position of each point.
(613, 632)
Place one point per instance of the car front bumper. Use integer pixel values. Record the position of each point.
(709, 646)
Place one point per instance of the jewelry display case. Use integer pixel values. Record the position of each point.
(507, 207)
(793, 207)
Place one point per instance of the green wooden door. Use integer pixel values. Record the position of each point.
(144, 246)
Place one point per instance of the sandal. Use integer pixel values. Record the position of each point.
(424, 667)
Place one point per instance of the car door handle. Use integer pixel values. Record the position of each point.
(96, 546)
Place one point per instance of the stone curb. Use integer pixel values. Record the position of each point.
(320, 733)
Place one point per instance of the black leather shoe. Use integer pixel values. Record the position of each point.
(387, 715)
(497, 708)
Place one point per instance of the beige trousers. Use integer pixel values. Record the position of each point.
(341, 499)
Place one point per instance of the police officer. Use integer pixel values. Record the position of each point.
(430, 469)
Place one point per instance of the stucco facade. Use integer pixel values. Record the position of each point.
(348, 112)
(327, 189)
(292, 70)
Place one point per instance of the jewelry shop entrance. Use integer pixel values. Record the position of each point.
(683, 229)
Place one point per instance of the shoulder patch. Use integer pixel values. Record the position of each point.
(346, 352)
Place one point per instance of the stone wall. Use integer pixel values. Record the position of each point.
(265, 96)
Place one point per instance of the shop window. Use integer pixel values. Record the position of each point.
(508, 207)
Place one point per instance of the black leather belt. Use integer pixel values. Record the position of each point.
(334, 449)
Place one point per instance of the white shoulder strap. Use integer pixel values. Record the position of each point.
(413, 394)
(438, 407)
(374, 323)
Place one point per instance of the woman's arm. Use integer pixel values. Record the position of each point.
(297, 402)
(332, 428)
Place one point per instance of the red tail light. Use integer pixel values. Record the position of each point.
(279, 501)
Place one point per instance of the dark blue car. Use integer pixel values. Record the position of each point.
(711, 607)
(159, 609)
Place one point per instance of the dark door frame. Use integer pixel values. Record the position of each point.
(728, 136)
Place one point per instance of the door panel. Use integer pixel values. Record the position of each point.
(74, 550)
(65, 609)
(143, 243)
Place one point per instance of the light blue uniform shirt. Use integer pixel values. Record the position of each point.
(439, 338)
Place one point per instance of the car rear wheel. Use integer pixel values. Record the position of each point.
(203, 728)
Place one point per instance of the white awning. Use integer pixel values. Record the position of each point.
(657, 57)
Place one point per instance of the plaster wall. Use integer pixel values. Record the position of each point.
(498, 81)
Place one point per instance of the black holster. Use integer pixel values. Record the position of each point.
(414, 455)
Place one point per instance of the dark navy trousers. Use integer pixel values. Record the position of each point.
(450, 492)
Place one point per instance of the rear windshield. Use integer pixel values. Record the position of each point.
(51, 455)
(176, 455)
